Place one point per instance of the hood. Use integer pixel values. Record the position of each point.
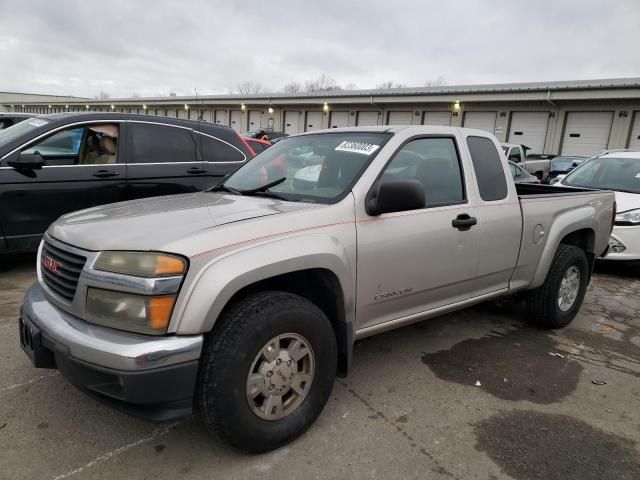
(627, 201)
(150, 223)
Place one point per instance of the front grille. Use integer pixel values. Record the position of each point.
(61, 270)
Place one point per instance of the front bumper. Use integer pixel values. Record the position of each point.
(627, 237)
(150, 377)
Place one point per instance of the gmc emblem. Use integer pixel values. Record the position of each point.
(50, 264)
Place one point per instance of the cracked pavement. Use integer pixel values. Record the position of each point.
(409, 409)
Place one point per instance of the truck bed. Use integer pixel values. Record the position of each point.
(532, 190)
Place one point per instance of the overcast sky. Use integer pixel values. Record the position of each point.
(144, 47)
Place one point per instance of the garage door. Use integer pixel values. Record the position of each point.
(291, 122)
(586, 133)
(436, 118)
(182, 113)
(220, 117)
(530, 129)
(400, 118)
(236, 120)
(314, 121)
(368, 119)
(634, 140)
(254, 119)
(481, 120)
(339, 119)
(207, 116)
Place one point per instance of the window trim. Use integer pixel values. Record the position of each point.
(465, 200)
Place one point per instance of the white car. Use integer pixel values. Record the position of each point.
(619, 172)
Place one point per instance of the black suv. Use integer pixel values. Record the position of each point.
(54, 164)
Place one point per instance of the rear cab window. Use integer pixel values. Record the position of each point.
(488, 167)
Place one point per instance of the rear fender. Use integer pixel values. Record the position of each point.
(563, 225)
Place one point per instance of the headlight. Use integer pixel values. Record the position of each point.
(141, 264)
(630, 217)
(126, 311)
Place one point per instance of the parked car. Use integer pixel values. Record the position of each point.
(271, 135)
(247, 300)
(11, 118)
(115, 157)
(535, 163)
(619, 172)
(520, 175)
(256, 145)
(563, 164)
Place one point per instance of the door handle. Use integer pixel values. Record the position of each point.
(196, 171)
(105, 174)
(464, 222)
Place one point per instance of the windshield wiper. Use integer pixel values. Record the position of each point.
(263, 188)
(221, 187)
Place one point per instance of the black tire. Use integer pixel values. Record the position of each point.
(542, 303)
(238, 336)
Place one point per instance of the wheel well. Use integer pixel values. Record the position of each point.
(322, 288)
(584, 239)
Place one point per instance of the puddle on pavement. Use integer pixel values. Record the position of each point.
(531, 445)
(511, 364)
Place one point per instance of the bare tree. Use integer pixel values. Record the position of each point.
(350, 86)
(135, 95)
(390, 84)
(438, 82)
(324, 83)
(250, 88)
(102, 95)
(292, 87)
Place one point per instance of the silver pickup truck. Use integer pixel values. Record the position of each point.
(243, 303)
(534, 163)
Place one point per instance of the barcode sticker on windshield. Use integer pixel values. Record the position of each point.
(36, 122)
(357, 147)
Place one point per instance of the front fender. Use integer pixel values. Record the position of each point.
(563, 225)
(223, 276)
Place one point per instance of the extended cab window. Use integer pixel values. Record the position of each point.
(216, 150)
(435, 164)
(86, 145)
(488, 167)
(151, 143)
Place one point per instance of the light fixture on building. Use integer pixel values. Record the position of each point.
(144, 107)
(49, 106)
(456, 106)
(67, 107)
(270, 109)
(325, 107)
(243, 107)
(186, 107)
(113, 107)
(87, 107)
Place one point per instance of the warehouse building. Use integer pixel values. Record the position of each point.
(569, 117)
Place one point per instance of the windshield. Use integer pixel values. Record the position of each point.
(618, 174)
(8, 135)
(564, 163)
(318, 168)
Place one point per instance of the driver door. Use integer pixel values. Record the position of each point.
(81, 169)
(416, 261)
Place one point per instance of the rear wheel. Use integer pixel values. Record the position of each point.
(557, 301)
(267, 371)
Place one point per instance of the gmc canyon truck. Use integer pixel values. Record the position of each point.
(243, 303)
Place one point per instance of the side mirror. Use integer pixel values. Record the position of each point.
(395, 196)
(27, 161)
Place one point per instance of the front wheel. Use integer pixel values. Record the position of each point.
(557, 301)
(267, 371)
